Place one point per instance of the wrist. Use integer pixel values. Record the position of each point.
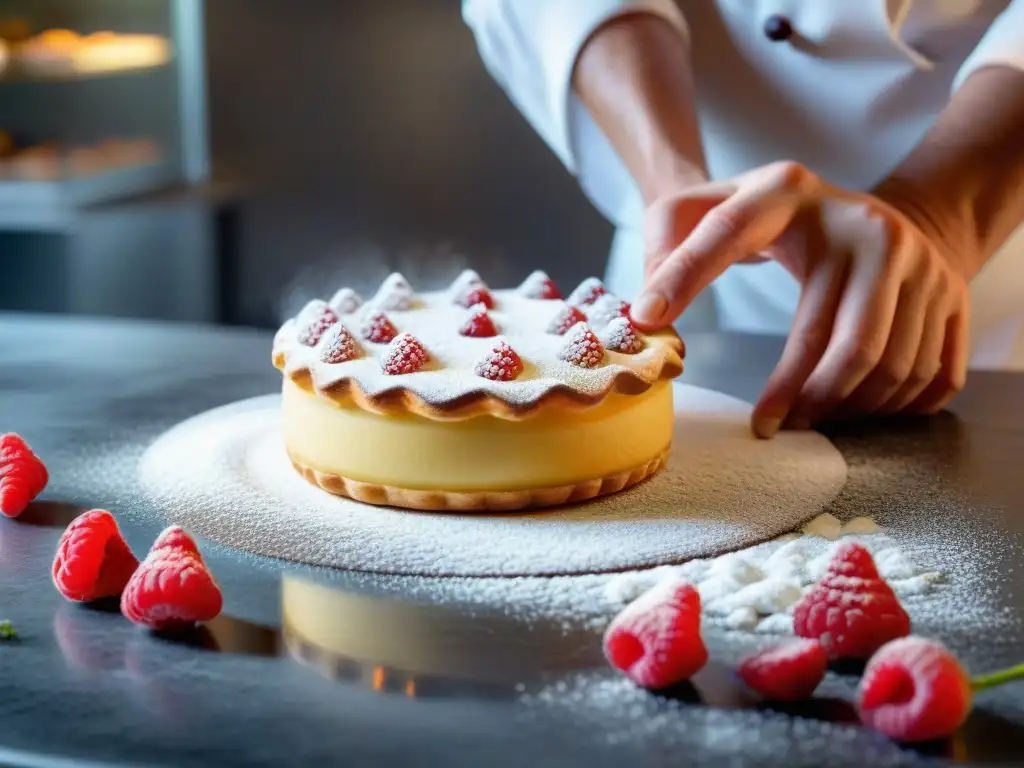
(668, 173)
(939, 215)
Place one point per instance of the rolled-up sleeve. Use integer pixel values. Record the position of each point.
(1002, 44)
(530, 48)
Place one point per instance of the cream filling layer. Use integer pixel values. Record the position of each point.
(483, 453)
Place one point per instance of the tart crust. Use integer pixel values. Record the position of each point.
(479, 501)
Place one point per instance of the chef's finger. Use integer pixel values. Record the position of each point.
(863, 324)
(745, 224)
(953, 375)
(904, 355)
(808, 339)
(927, 364)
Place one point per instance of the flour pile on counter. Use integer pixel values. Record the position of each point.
(755, 589)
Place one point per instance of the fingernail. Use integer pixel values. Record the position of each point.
(767, 428)
(649, 308)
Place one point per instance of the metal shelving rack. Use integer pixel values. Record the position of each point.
(52, 206)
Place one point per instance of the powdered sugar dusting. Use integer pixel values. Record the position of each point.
(435, 320)
(225, 475)
(760, 585)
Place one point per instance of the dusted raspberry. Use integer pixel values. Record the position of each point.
(606, 309)
(539, 286)
(656, 639)
(468, 290)
(338, 346)
(786, 672)
(395, 293)
(567, 317)
(345, 301)
(376, 327)
(852, 610)
(478, 323)
(475, 295)
(172, 589)
(22, 475)
(620, 335)
(587, 292)
(914, 690)
(501, 363)
(93, 560)
(315, 318)
(405, 355)
(582, 347)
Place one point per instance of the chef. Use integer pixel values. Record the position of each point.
(847, 172)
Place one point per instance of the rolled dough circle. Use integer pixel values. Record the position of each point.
(224, 475)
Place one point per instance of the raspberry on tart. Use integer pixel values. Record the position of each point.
(539, 286)
(405, 355)
(468, 290)
(337, 345)
(605, 309)
(394, 294)
(620, 335)
(376, 327)
(582, 347)
(501, 363)
(566, 317)
(587, 292)
(478, 323)
(314, 319)
(345, 301)
(449, 384)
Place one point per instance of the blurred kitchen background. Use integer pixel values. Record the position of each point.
(222, 161)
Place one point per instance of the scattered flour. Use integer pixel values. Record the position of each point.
(756, 589)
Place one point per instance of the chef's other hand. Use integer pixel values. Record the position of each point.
(882, 321)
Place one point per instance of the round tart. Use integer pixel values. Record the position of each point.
(471, 399)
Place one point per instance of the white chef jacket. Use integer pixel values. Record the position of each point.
(848, 95)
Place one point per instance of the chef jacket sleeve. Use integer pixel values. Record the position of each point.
(530, 48)
(1003, 44)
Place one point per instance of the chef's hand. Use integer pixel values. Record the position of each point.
(882, 321)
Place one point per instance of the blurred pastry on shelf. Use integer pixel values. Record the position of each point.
(38, 163)
(14, 30)
(61, 51)
(53, 162)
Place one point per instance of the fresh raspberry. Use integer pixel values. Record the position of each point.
(566, 318)
(376, 327)
(587, 292)
(914, 690)
(315, 318)
(93, 560)
(405, 355)
(338, 346)
(605, 309)
(478, 323)
(345, 301)
(852, 610)
(501, 363)
(539, 286)
(22, 475)
(582, 347)
(395, 293)
(176, 538)
(172, 589)
(787, 672)
(620, 335)
(656, 639)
